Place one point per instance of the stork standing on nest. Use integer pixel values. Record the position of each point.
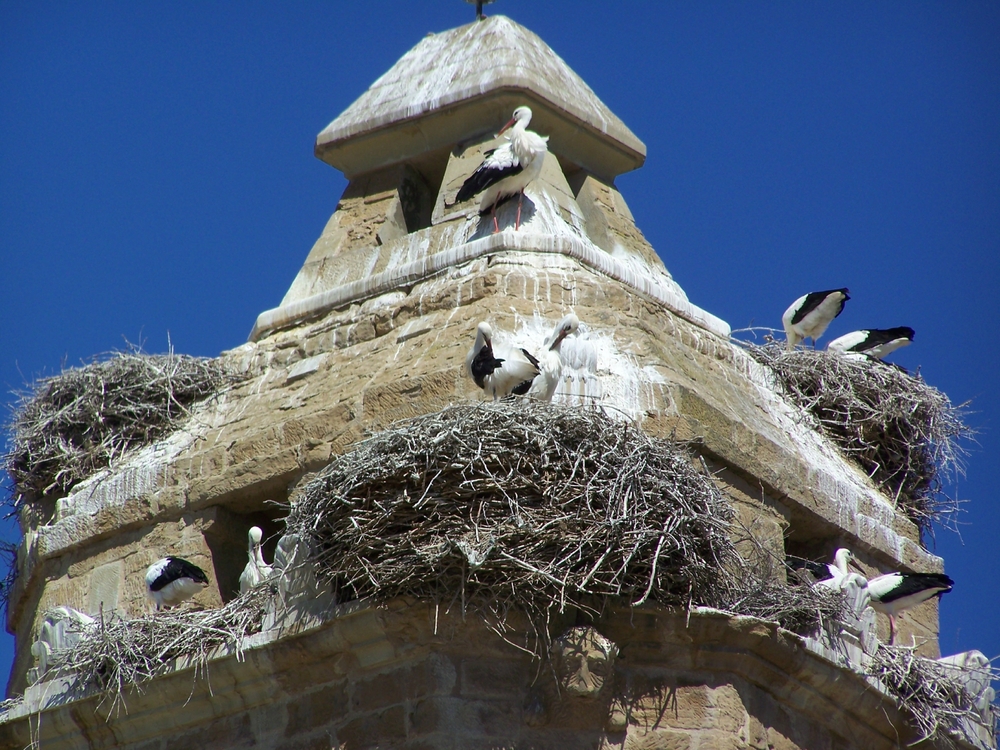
(875, 342)
(550, 362)
(172, 580)
(809, 315)
(508, 169)
(894, 592)
(499, 376)
(256, 569)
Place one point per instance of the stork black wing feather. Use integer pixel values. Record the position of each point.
(483, 364)
(914, 583)
(176, 569)
(819, 571)
(814, 300)
(497, 164)
(531, 358)
(522, 388)
(879, 336)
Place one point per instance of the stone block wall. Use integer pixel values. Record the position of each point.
(407, 676)
(317, 388)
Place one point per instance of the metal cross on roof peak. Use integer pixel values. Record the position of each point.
(479, 7)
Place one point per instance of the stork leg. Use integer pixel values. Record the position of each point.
(520, 199)
(496, 224)
(892, 630)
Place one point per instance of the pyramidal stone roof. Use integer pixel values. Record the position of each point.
(445, 73)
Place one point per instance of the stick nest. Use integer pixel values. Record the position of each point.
(905, 434)
(491, 508)
(532, 507)
(117, 654)
(936, 699)
(73, 424)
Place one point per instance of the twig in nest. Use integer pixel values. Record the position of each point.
(903, 433)
(119, 654)
(935, 698)
(531, 507)
(73, 424)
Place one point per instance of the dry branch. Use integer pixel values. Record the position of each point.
(487, 509)
(905, 434)
(73, 424)
(532, 507)
(934, 697)
(118, 654)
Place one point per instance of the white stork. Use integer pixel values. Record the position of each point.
(508, 169)
(499, 376)
(810, 314)
(835, 575)
(256, 569)
(875, 342)
(550, 362)
(172, 580)
(893, 592)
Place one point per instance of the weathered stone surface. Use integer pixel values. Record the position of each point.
(375, 210)
(463, 82)
(703, 681)
(268, 432)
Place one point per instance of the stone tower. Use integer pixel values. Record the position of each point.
(374, 328)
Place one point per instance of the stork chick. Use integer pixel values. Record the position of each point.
(499, 376)
(508, 169)
(550, 362)
(809, 315)
(256, 569)
(839, 573)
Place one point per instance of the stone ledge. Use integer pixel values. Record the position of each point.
(506, 241)
(837, 497)
(279, 666)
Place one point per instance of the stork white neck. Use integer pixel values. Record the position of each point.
(484, 336)
(526, 145)
(567, 326)
(841, 560)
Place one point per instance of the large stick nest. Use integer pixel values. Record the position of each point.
(489, 509)
(905, 434)
(116, 654)
(935, 698)
(532, 507)
(73, 424)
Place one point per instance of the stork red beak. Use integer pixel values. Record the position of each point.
(505, 128)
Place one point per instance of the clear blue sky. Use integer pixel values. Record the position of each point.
(157, 177)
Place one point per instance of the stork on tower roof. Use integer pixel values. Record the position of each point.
(409, 143)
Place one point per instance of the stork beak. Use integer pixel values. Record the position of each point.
(505, 128)
(857, 567)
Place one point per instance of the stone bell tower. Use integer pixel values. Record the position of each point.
(375, 328)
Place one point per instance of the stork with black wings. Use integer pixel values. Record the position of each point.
(500, 372)
(507, 169)
(809, 315)
(875, 342)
